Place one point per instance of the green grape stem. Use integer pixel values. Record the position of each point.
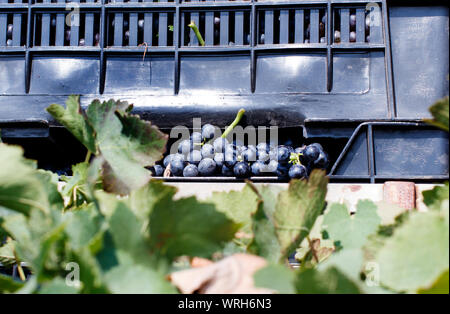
(197, 33)
(236, 121)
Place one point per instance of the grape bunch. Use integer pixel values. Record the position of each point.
(204, 155)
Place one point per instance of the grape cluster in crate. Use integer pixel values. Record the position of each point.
(203, 155)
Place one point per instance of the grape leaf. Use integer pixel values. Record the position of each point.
(297, 210)
(72, 118)
(285, 218)
(188, 227)
(237, 205)
(57, 286)
(127, 145)
(265, 242)
(351, 231)
(142, 201)
(9, 285)
(275, 277)
(7, 253)
(440, 286)
(330, 281)
(435, 197)
(417, 253)
(75, 189)
(440, 113)
(133, 279)
(22, 188)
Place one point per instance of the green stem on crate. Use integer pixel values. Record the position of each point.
(197, 33)
(236, 121)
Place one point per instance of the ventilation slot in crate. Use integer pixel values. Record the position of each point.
(66, 1)
(13, 1)
(131, 1)
(224, 28)
(134, 29)
(357, 25)
(52, 29)
(13, 30)
(292, 26)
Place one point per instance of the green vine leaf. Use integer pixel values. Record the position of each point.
(435, 198)
(351, 231)
(440, 113)
(285, 218)
(72, 118)
(417, 253)
(22, 188)
(188, 227)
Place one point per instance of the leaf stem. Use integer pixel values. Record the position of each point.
(236, 121)
(88, 156)
(19, 267)
(197, 33)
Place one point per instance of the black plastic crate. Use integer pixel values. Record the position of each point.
(346, 73)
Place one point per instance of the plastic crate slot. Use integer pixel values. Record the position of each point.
(12, 29)
(51, 29)
(65, 1)
(357, 25)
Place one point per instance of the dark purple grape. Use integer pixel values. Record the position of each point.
(320, 147)
(352, 37)
(231, 148)
(323, 40)
(282, 170)
(67, 35)
(263, 147)
(176, 167)
(298, 172)
(190, 171)
(299, 150)
(217, 20)
(242, 170)
(220, 144)
(196, 138)
(352, 20)
(208, 131)
(9, 31)
(9, 42)
(262, 39)
(227, 172)
(194, 157)
(207, 167)
(272, 167)
(230, 158)
(263, 156)
(207, 151)
(167, 160)
(283, 154)
(81, 42)
(337, 36)
(311, 153)
(258, 168)
(185, 147)
(322, 161)
(249, 155)
(157, 171)
(141, 24)
(219, 158)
